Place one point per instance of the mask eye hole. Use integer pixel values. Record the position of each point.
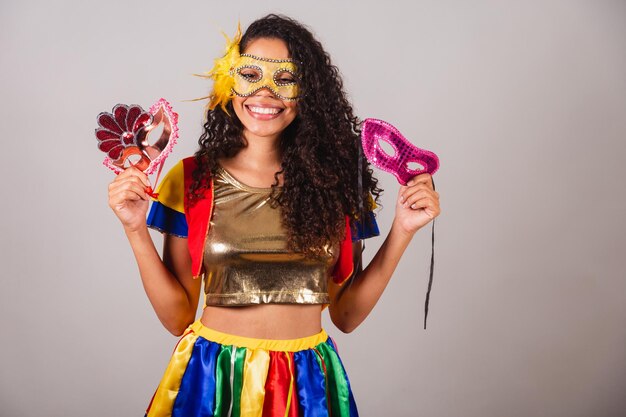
(386, 147)
(250, 74)
(284, 77)
(132, 160)
(414, 166)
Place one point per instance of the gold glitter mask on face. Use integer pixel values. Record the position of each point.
(252, 73)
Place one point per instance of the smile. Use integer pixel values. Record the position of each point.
(263, 113)
(264, 110)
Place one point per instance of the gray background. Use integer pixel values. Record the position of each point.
(525, 104)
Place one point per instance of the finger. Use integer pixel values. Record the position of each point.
(134, 172)
(139, 174)
(122, 199)
(136, 187)
(423, 178)
(411, 191)
(413, 198)
(424, 203)
(131, 194)
(124, 181)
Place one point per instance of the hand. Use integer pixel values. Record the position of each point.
(417, 204)
(128, 198)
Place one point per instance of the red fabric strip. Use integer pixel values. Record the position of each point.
(343, 267)
(198, 218)
(277, 386)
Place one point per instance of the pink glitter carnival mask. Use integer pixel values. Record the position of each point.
(374, 131)
(123, 136)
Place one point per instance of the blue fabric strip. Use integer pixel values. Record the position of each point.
(167, 220)
(196, 396)
(366, 229)
(311, 384)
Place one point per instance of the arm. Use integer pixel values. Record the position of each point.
(417, 204)
(169, 285)
(171, 289)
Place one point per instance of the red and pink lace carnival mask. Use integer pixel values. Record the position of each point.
(123, 135)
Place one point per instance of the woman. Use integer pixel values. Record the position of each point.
(271, 211)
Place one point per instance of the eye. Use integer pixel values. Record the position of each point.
(284, 78)
(250, 74)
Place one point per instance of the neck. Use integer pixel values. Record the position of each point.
(261, 152)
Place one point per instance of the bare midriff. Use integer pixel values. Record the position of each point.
(265, 321)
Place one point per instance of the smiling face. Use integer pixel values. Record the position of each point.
(265, 113)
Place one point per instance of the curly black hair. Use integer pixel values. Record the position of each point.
(320, 148)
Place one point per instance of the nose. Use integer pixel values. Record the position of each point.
(265, 91)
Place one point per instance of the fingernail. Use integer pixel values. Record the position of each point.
(402, 199)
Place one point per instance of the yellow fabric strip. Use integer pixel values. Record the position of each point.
(171, 189)
(254, 376)
(288, 408)
(170, 384)
(282, 345)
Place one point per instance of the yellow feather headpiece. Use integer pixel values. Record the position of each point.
(223, 80)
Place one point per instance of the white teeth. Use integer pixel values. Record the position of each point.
(264, 110)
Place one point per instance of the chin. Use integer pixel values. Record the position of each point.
(265, 129)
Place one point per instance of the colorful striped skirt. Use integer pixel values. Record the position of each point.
(218, 374)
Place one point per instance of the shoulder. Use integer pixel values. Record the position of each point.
(179, 176)
(167, 213)
(188, 163)
(172, 188)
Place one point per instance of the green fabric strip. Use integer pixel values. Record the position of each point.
(336, 382)
(222, 382)
(240, 359)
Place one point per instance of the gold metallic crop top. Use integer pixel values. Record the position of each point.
(246, 260)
